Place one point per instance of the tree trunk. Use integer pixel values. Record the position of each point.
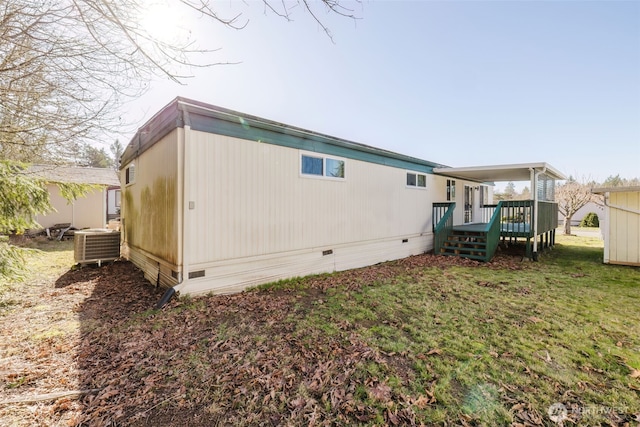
(567, 225)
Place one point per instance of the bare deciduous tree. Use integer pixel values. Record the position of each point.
(65, 66)
(571, 196)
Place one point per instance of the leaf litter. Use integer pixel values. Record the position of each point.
(217, 360)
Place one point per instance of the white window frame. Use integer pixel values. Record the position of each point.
(324, 158)
(451, 190)
(416, 173)
(135, 173)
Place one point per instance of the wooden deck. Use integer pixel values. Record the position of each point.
(508, 220)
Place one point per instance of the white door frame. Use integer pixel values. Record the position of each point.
(469, 205)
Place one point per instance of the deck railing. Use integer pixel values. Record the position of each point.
(439, 210)
(515, 216)
(492, 230)
(547, 216)
(442, 223)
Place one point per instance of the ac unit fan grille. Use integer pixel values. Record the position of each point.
(96, 246)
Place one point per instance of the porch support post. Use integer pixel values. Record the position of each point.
(534, 187)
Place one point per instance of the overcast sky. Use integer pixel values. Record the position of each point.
(459, 83)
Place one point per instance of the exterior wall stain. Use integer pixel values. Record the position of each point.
(152, 225)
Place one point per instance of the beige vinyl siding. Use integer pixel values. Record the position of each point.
(89, 211)
(151, 207)
(257, 219)
(624, 228)
(251, 216)
(251, 200)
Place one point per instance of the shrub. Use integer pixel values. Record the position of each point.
(590, 220)
(11, 260)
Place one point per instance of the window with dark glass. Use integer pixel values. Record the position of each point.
(451, 189)
(416, 180)
(322, 166)
(130, 174)
(312, 165)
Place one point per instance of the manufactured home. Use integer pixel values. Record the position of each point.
(621, 225)
(215, 200)
(90, 211)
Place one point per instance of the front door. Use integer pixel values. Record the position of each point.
(468, 204)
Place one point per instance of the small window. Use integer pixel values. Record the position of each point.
(130, 174)
(322, 166)
(416, 180)
(312, 165)
(451, 189)
(335, 168)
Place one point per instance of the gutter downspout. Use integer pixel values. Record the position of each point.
(182, 173)
(607, 219)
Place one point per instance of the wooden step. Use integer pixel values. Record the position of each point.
(465, 244)
(470, 256)
(462, 250)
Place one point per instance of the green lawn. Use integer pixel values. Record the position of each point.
(500, 346)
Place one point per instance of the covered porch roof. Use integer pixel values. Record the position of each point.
(514, 172)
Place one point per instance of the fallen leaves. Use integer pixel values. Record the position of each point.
(240, 359)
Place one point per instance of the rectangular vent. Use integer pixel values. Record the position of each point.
(405, 240)
(174, 274)
(327, 252)
(196, 274)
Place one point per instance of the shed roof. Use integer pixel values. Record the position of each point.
(602, 190)
(75, 174)
(512, 172)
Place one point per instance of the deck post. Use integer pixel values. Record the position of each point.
(534, 218)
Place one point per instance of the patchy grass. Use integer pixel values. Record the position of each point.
(426, 340)
(499, 347)
(43, 259)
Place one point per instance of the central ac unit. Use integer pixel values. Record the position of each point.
(96, 245)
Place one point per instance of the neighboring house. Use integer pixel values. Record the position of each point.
(621, 230)
(90, 211)
(576, 219)
(216, 200)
